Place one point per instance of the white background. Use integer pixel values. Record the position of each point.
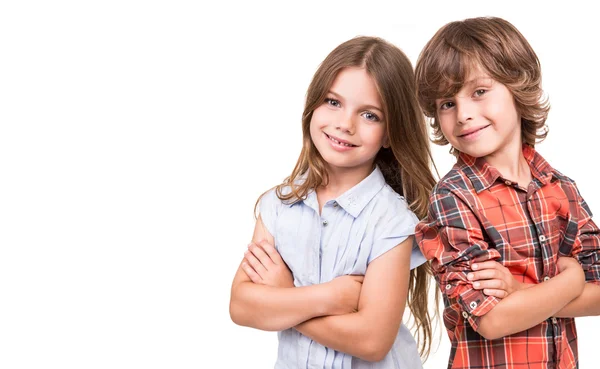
(135, 137)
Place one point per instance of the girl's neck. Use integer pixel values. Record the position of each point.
(340, 181)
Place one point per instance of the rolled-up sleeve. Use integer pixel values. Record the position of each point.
(451, 237)
(587, 245)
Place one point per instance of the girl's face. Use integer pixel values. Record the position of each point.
(348, 128)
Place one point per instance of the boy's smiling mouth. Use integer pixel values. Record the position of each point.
(471, 132)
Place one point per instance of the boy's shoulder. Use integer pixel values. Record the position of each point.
(562, 177)
(455, 181)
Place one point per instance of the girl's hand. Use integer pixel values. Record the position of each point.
(264, 265)
(494, 279)
(345, 292)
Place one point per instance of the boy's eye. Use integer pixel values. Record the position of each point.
(479, 92)
(332, 102)
(371, 116)
(446, 105)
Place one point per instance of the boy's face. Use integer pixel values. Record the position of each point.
(481, 120)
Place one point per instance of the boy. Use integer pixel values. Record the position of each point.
(512, 242)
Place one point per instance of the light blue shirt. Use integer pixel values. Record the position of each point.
(353, 230)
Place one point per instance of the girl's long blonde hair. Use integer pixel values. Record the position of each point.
(406, 164)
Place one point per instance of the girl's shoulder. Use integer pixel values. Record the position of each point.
(392, 200)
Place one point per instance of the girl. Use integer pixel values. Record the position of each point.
(340, 216)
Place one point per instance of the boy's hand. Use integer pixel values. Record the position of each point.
(345, 292)
(263, 265)
(494, 279)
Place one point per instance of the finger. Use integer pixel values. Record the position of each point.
(255, 263)
(260, 254)
(484, 274)
(254, 277)
(496, 284)
(497, 293)
(490, 264)
(271, 251)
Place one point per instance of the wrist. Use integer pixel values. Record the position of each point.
(324, 299)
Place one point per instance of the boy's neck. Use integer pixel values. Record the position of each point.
(511, 163)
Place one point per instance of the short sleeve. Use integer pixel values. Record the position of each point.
(268, 209)
(398, 224)
(452, 238)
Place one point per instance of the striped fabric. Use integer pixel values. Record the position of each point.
(342, 239)
(475, 215)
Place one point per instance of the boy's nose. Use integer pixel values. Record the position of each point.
(464, 112)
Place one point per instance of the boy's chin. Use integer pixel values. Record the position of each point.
(477, 153)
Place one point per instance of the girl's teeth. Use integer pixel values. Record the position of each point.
(338, 142)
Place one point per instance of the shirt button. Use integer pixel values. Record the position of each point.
(325, 222)
(546, 278)
(508, 183)
(448, 286)
(473, 305)
(335, 204)
(542, 238)
(554, 320)
(465, 314)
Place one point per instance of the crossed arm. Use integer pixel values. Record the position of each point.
(277, 306)
(496, 280)
(360, 320)
(455, 241)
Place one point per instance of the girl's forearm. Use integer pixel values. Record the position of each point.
(275, 308)
(354, 334)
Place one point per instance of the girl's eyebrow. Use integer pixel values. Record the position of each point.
(365, 106)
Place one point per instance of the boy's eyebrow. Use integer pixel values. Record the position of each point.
(479, 79)
(367, 106)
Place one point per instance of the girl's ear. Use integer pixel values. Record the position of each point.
(386, 142)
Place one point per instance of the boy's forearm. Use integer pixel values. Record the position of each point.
(352, 334)
(586, 304)
(528, 307)
(275, 309)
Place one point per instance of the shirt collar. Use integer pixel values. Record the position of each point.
(482, 175)
(355, 199)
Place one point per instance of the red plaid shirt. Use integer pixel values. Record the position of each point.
(475, 215)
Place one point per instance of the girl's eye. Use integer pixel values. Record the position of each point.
(332, 102)
(479, 93)
(446, 105)
(371, 116)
